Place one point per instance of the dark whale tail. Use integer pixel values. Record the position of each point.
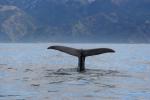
(81, 53)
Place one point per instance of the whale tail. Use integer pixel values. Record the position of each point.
(81, 53)
(68, 50)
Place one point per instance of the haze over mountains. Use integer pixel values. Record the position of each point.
(126, 21)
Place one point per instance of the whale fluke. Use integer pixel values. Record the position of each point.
(68, 50)
(81, 53)
(92, 52)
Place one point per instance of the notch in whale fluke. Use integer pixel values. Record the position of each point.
(81, 53)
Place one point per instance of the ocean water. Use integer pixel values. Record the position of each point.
(31, 72)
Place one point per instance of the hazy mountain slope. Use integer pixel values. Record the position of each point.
(77, 20)
(15, 23)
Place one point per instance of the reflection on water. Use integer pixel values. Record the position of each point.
(30, 72)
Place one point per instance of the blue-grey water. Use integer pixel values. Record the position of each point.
(31, 72)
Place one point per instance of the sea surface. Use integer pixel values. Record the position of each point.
(32, 72)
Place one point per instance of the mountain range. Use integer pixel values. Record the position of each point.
(110, 21)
